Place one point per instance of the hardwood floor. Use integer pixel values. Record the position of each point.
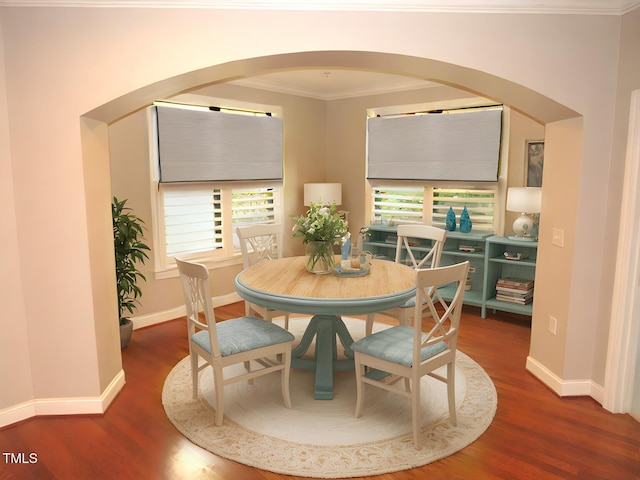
(535, 434)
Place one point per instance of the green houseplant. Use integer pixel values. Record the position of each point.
(130, 251)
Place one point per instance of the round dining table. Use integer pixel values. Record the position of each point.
(285, 284)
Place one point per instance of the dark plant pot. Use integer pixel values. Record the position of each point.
(125, 333)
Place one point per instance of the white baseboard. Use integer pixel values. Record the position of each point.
(63, 406)
(95, 405)
(565, 388)
(173, 313)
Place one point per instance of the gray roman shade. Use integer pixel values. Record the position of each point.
(462, 146)
(208, 145)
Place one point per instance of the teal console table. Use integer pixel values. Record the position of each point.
(486, 255)
(284, 284)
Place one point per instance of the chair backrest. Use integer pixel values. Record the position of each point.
(197, 297)
(408, 232)
(260, 241)
(445, 316)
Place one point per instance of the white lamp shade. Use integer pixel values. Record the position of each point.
(524, 199)
(322, 193)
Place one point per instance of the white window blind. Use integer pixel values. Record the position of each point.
(430, 205)
(398, 203)
(448, 146)
(192, 220)
(480, 204)
(251, 206)
(201, 219)
(198, 145)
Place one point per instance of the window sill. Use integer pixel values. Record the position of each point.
(171, 271)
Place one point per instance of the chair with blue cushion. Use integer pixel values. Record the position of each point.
(411, 352)
(248, 340)
(412, 240)
(260, 242)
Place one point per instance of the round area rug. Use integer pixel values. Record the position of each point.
(322, 438)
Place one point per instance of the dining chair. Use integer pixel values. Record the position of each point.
(260, 242)
(410, 250)
(409, 353)
(248, 340)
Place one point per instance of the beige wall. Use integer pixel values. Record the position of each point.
(304, 151)
(15, 366)
(62, 63)
(324, 141)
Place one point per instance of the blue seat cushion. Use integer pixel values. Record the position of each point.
(395, 345)
(243, 334)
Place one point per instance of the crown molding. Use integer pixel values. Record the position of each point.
(576, 7)
(281, 87)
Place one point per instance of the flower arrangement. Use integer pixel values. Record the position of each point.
(320, 229)
(320, 224)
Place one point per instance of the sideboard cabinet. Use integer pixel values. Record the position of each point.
(487, 262)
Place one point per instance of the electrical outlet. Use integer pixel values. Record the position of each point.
(553, 324)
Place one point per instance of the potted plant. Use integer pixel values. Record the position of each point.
(129, 251)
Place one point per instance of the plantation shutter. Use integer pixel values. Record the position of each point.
(200, 145)
(458, 146)
(193, 220)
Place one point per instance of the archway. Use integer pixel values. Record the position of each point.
(530, 103)
(522, 99)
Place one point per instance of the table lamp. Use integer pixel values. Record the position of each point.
(527, 201)
(322, 193)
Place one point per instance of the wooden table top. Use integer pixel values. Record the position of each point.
(285, 284)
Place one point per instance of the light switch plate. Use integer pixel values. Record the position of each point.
(558, 237)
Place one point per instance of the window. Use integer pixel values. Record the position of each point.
(196, 215)
(423, 159)
(430, 203)
(192, 219)
(480, 204)
(199, 221)
(397, 203)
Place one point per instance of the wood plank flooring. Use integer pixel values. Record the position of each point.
(535, 434)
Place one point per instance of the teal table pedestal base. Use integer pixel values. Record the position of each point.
(326, 329)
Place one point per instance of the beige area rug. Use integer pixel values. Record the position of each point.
(322, 438)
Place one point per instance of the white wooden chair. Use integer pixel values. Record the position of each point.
(408, 352)
(260, 242)
(407, 252)
(248, 340)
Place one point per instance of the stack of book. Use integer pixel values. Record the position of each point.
(469, 283)
(514, 290)
(469, 248)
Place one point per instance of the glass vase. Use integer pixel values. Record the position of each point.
(320, 257)
(465, 221)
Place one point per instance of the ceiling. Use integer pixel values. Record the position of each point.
(332, 84)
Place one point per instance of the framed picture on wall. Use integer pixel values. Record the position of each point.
(535, 163)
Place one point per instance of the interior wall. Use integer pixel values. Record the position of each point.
(304, 148)
(85, 63)
(629, 81)
(563, 153)
(15, 367)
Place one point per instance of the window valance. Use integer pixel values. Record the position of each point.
(199, 145)
(460, 146)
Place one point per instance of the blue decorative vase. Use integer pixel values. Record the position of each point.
(465, 221)
(451, 220)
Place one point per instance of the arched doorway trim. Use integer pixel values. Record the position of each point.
(522, 99)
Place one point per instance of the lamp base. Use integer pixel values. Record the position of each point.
(523, 226)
